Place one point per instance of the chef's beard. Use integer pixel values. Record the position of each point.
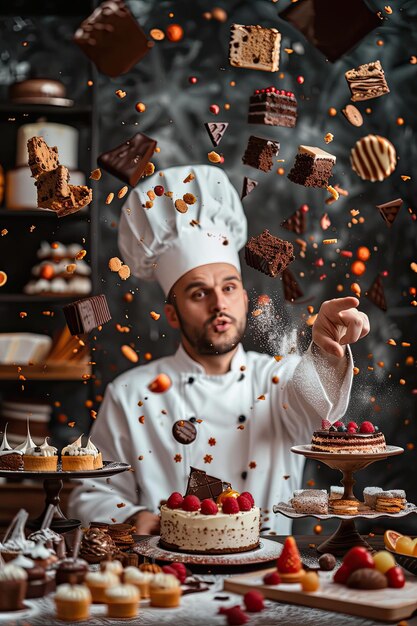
(201, 342)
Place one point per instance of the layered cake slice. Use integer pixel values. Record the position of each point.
(269, 254)
(339, 439)
(203, 522)
(273, 107)
(260, 153)
(313, 167)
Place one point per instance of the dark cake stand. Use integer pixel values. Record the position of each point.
(53, 483)
(346, 536)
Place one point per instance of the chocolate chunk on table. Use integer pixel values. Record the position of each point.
(128, 161)
(260, 153)
(269, 254)
(332, 27)
(367, 81)
(84, 315)
(112, 38)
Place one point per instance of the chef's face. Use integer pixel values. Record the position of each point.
(209, 306)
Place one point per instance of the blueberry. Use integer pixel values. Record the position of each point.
(341, 429)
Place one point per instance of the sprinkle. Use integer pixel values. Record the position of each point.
(109, 198)
(96, 174)
(120, 505)
(140, 107)
(141, 419)
(157, 34)
(356, 371)
(212, 441)
(80, 255)
(189, 178)
(405, 178)
(252, 465)
(124, 272)
(122, 192)
(333, 192)
(256, 312)
(129, 353)
(328, 137)
(208, 458)
(213, 157)
(120, 93)
(155, 316)
(328, 241)
(178, 458)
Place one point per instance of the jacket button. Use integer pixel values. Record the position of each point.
(190, 380)
(242, 419)
(244, 475)
(192, 419)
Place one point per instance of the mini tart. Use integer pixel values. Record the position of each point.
(72, 602)
(92, 449)
(165, 591)
(80, 463)
(98, 461)
(32, 463)
(98, 583)
(122, 601)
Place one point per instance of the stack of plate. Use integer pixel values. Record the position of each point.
(16, 414)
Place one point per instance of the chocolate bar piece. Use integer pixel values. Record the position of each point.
(389, 210)
(254, 47)
(292, 290)
(269, 254)
(129, 160)
(260, 152)
(312, 168)
(376, 294)
(52, 186)
(367, 81)
(202, 485)
(332, 27)
(112, 38)
(248, 186)
(273, 107)
(216, 131)
(296, 223)
(84, 315)
(42, 158)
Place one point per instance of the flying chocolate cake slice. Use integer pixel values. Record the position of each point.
(269, 254)
(129, 160)
(273, 107)
(260, 153)
(312, 168)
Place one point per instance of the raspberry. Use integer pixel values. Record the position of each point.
(254, 601)
(235, 616)
(208, 507)
(159, 190)
(180, 571)
(338, 423)
(167, 569)
(175, 500)
(325, 424)
(366, 427)
(230, 505)
(191, 503)
(249, 496)
(351, 430)
(272, 579)
(353, 425)
(244, 503)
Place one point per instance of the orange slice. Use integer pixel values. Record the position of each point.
(390, 539)
(3, 278)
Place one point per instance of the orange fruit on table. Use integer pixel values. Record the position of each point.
(405, 545)
(390, 539)
(228, 493)
(310, 582)
(3, 278)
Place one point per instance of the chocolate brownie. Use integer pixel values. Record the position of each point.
(129, 160)
(42, 158)
(312, 168)
(268, 254)
(52, 187)
(273, 107)
(254, 47)
(260, 152)
(367, 81)
(112, 38)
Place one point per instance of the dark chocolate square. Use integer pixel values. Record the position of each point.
(333, 27)
(129, 160)
(84, 315)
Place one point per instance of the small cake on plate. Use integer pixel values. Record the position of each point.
(98, 583)
(341, 439)
(141, 580)
(42, 458)
(76, 458)
(114, 567)
(71, 569)
(72, 602)
(98, 459)
(37, 580)
(122, 601)
(165, 591)
(370, 495)
(310, 501)
(340, 506)
(336, 492)
(10, 459)
(13, 584)
(392, 501)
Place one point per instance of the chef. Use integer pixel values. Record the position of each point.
(233, 413)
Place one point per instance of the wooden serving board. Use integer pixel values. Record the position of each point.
(380, 604)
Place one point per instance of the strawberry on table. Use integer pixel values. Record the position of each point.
(289, 561)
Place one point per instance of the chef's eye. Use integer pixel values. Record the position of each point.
(229, 288)
(199, 295)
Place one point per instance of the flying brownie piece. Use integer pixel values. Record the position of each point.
(367, 81)
(312, 168)
(249, 185)
(42, 158)
(273, 107)
(216, 131)
(80, 196)
(376, 294)
(84, 315)
(296, 222)
(112, 38)
(52, 186)
(260, 152)
(332, 27)
(254, 47)
(389, 210)
(129, 160)
(292, 290)
(268, 254)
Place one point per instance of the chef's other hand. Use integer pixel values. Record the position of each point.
(338, 323)
(147, 523)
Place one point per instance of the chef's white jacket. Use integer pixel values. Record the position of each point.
(255, 458)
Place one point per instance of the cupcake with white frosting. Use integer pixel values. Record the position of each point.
(165, 591)
(98, 459)
(76, 458)
(98, 583)
(72, 602)
(10, 459)
(141, 580)
(42, 458)
(115, 567)
(13, 584)
(122, 601)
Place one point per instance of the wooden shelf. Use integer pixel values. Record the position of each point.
(49, 371)
(22, 297)
(18, 112)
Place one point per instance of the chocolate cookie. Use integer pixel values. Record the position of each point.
(184, 432)
(367, 579)
(42, 158)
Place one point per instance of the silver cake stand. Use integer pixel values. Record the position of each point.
(53, 483)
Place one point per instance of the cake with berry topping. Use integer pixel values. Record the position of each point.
(273, 107)
(351, 439)
(211, 518)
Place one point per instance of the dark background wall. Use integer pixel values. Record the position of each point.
(175, 113)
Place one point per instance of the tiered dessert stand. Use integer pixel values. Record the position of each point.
(346, 535)
(53, 483)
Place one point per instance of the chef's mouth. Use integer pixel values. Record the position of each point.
(221, 323)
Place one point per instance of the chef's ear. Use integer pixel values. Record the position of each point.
(171, 315)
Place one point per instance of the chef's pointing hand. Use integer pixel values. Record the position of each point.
(339, 323)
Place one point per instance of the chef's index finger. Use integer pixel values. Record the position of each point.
(332, 308)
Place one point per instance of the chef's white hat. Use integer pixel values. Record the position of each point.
(160, 244)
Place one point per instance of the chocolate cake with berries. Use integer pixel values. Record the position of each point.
(351, 439)
(211, 518)
(274, 107)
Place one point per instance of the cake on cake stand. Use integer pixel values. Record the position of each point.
(53, 483)
(346, 535)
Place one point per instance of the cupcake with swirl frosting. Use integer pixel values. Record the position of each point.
(165, 591)
(100, 582)
(72, 602)
(77, 458)
(98, 459)
(122, 601)
(42, 458)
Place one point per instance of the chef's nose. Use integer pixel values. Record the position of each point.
(218, 300)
